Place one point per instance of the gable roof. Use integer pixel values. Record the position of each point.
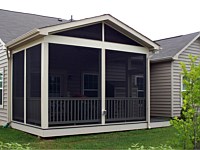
(14, 24)
(172, 47)
(50, 29)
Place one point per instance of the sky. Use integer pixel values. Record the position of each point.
(156, 19)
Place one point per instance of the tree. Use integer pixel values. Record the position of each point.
(188, 125)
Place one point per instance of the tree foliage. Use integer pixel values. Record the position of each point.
(188, 125)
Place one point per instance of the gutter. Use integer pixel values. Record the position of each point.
(162, 59)
(23, 38)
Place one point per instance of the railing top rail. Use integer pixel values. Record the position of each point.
(74, 98)
(95, 98)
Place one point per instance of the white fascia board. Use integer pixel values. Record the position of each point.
(134, 32)
(23, 38)
(73, 24)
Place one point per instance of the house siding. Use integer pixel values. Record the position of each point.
(160, 89)
(193, 49)
(4, 65)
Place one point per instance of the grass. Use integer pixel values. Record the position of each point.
(115, 140)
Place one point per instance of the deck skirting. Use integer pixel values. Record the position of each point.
(52, 132)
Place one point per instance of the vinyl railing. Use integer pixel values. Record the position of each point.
(125, 109)
(74, 111)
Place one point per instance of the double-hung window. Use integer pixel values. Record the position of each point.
(54, 86)
(90, 85)
(1, 88)
(139, 82)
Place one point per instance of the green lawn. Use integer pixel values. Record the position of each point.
(115, 140)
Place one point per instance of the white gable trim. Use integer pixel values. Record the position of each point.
(36, 33)
(177, 55)
(106, 18)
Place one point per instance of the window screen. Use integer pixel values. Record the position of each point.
(18, 86)
(33, 85)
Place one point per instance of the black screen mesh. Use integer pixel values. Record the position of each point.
(18, 86)
(33, 85)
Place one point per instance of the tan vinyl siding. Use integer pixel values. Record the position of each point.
(193, 49)
(4, 65)
(160, 89)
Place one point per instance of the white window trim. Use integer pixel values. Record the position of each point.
(136, 77)
(2, 71)
(83, 81)
(182, 90)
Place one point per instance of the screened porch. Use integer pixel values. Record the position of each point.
(75, 86)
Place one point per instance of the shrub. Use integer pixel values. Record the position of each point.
(141, 147)
(8, 146)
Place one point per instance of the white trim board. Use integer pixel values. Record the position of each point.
(108, 19)
(78, 131)
(94, 44)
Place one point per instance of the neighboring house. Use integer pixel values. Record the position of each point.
(166, 78)
(60, 77)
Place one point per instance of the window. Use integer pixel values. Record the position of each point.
(183, 89)
(183, 86)
(90, 85)
(1, 88)
(139, 81)
(54, 86)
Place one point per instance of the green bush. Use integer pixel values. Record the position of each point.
(6, 146)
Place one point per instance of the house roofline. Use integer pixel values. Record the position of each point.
(55, 28)
(101, 18)
(29, 35)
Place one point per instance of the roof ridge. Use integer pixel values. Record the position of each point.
(31, 14)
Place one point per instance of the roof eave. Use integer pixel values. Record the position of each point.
(48, 30)
(165, 59)
(25, 37)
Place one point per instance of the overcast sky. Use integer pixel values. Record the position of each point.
(155, 19)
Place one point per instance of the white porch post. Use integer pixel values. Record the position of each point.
(44, 84)
(25, 86)
(148, 90)
(103, 86)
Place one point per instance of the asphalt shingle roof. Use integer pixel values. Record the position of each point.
(171, 46)
(14, 24)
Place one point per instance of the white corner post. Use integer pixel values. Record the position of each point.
(44, 84)
(148, 91)
(103, 79)
(9, 111)
(25, 86)
(103, 86)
